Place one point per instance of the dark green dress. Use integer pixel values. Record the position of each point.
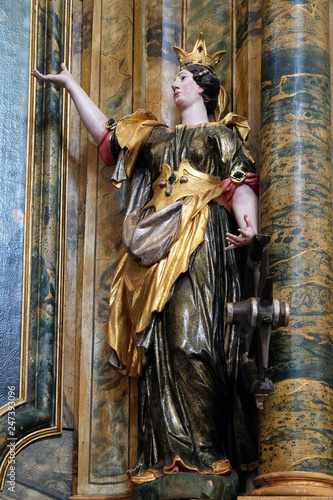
(193, 406)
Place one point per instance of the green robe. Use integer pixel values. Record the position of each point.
(193, 407)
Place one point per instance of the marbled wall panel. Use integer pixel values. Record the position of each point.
(296, 209)
(105, 399)
(82, 35)
(247, 70)
(110, 418)
(73, 208)
(116, 45)
(241, 70)
(215, 19)
(331, 59)
(163, 30)
(110, 448)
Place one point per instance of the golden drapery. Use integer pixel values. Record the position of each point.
(166, 319)
(139, 291)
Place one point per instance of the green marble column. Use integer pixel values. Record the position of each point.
(46, 241)
(296, 427)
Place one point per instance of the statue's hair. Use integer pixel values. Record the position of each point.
(209, 83)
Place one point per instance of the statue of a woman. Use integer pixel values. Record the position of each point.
(166, 321)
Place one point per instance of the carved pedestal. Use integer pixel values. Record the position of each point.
(188, 486)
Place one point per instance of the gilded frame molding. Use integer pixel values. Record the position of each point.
(38, 407)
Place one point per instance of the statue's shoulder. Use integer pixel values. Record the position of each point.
(139, 116)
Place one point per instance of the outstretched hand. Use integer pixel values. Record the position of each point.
(62, 79)
(243, 238)
(92, 117)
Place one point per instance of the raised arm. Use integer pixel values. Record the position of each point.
(92, 117)
(245, 207)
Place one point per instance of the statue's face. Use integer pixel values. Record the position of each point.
(186, 91)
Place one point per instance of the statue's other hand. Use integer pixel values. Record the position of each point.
(243, 238)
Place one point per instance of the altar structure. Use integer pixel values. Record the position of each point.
(277, 73)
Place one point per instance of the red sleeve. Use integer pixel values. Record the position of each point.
(229, 187)
(104, 150)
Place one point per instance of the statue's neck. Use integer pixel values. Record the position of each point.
(195, 114)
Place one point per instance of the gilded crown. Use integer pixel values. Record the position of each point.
(198, 55)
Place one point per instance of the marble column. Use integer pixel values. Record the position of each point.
(296, 427)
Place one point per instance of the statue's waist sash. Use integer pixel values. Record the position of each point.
(186, 181)
(138, 292)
